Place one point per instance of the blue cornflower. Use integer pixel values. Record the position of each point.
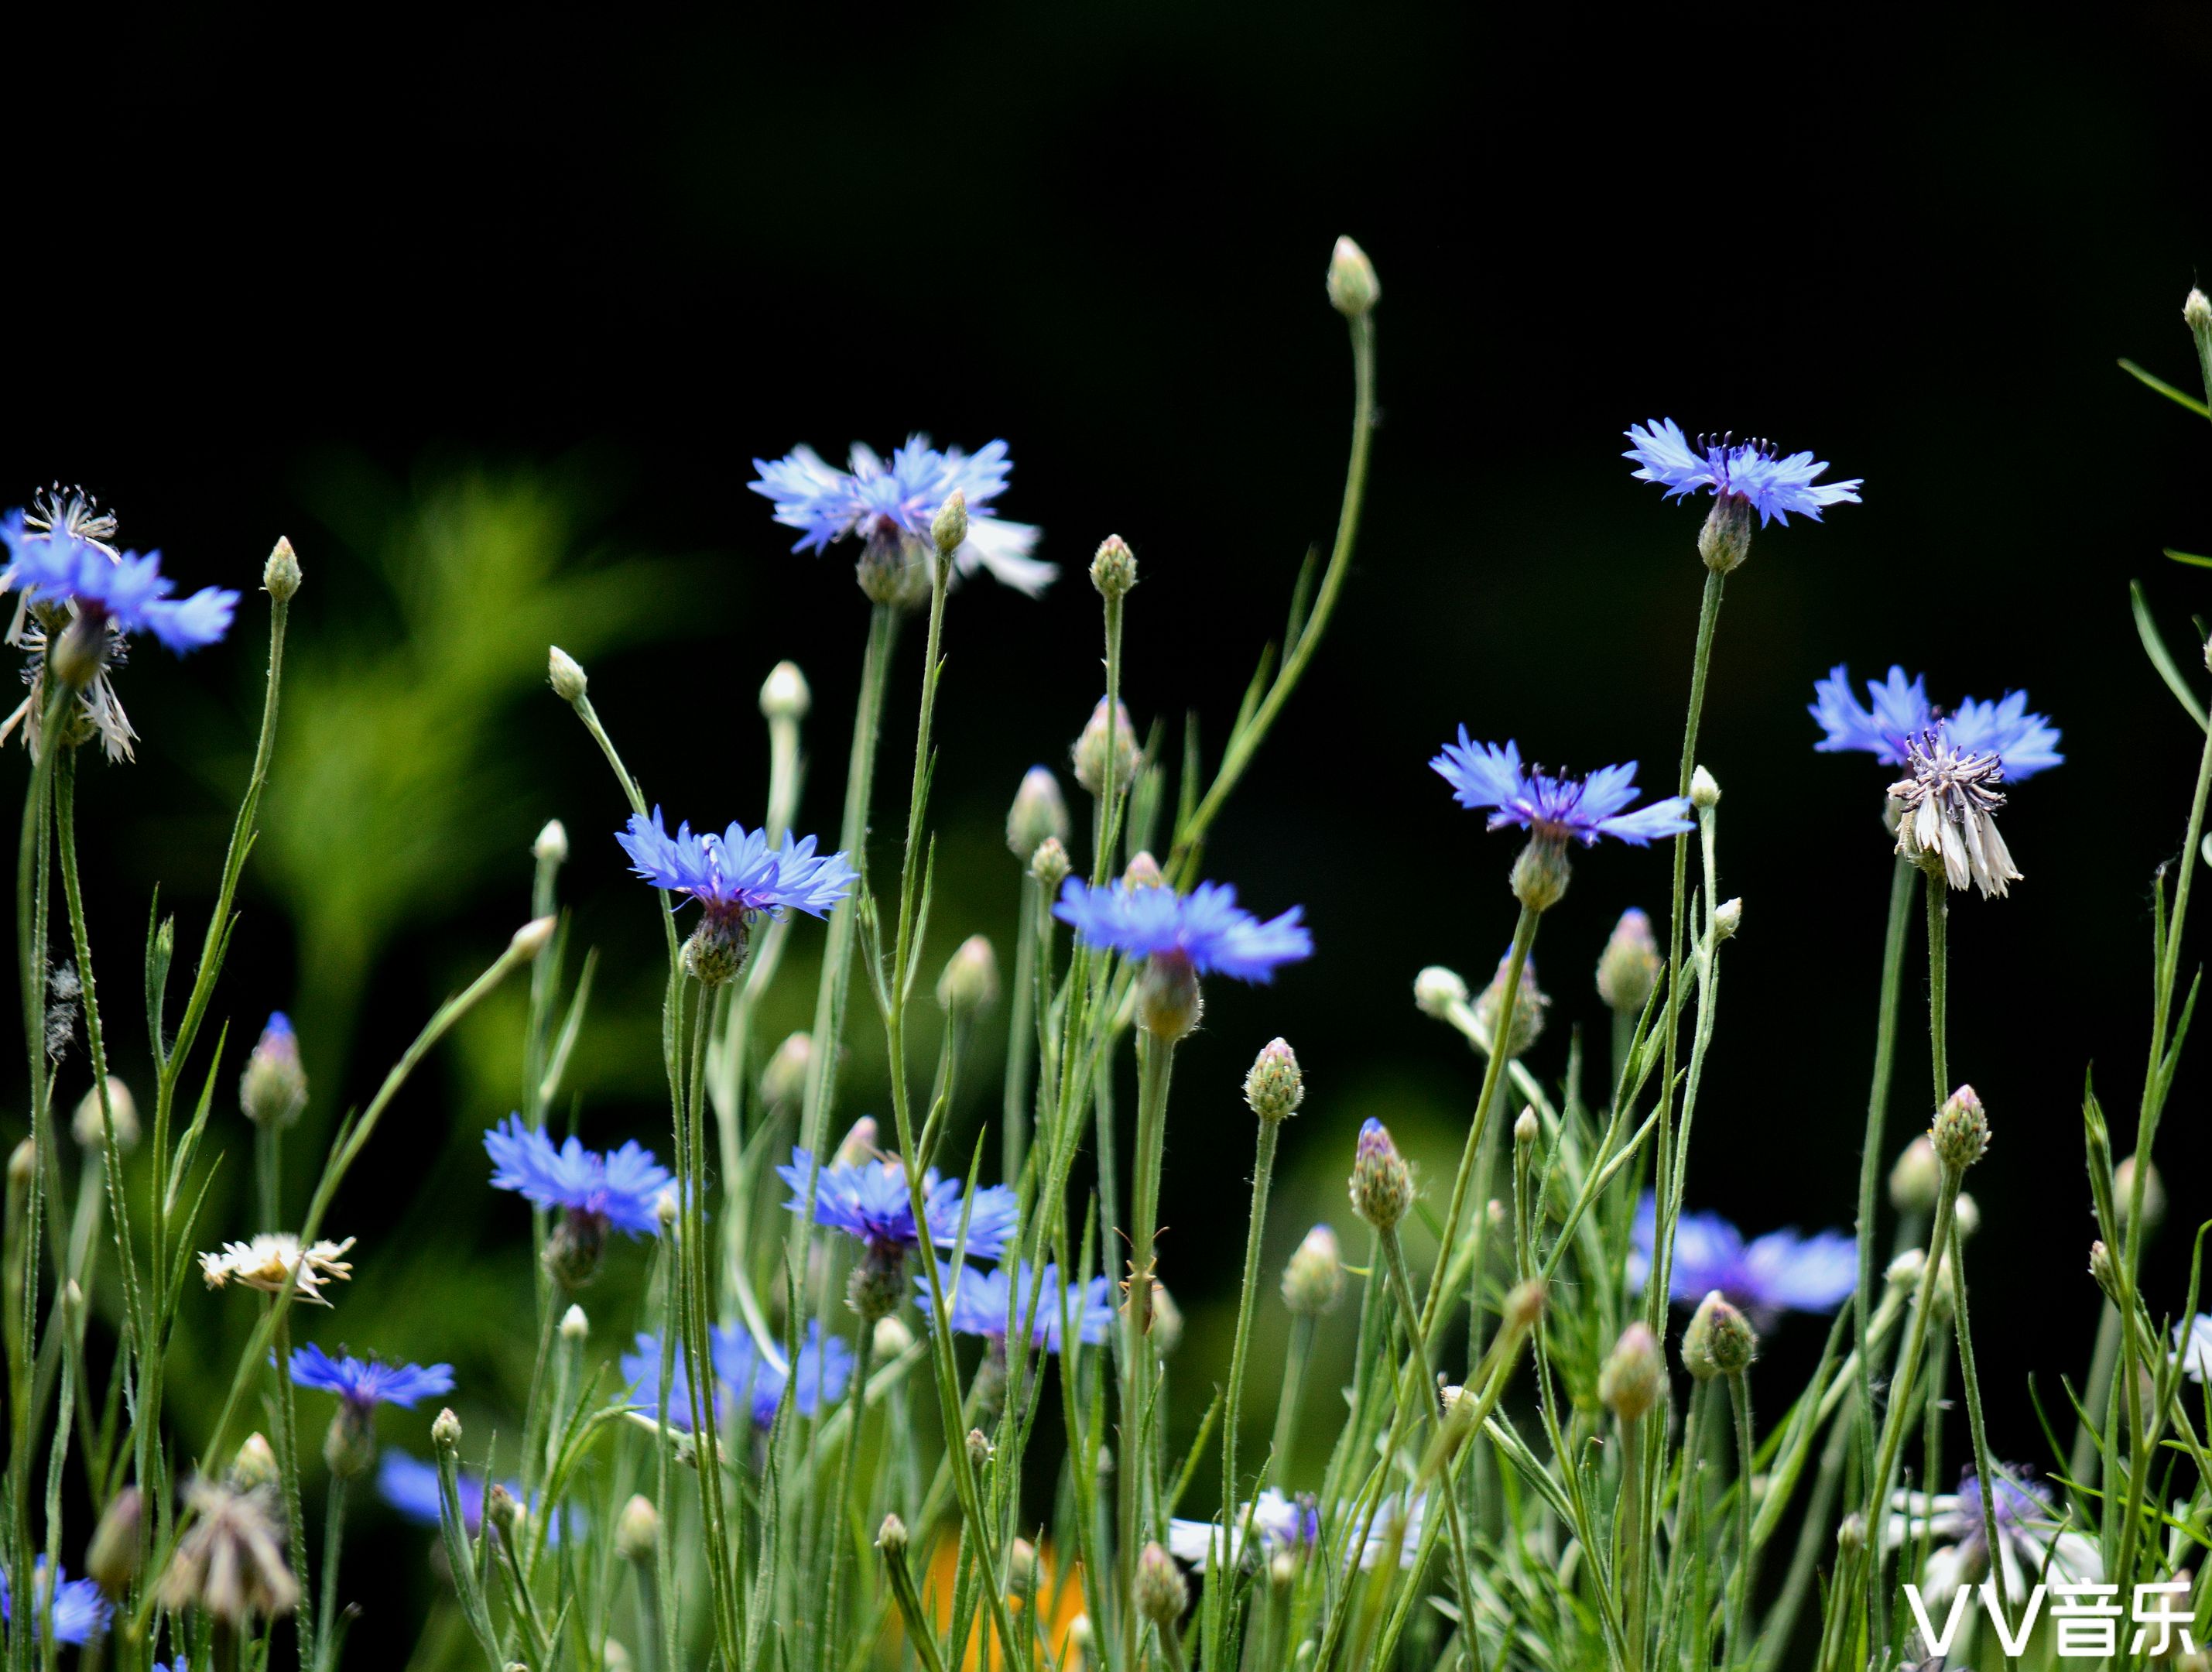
(622, 1188)
(893, 505)
(364, 1383)
(81, 1612)
(1554, 807)
(979, 1304)
(1753, 473)
(411, 1486)
(1898, 711)
(1780, 1272)
(1205, 930)
(53, 567)
(867, 1199)
(736, 873)
(744, 1375)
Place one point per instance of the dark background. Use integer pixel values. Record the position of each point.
(273, 278)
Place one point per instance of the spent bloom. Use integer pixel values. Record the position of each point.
(892, 507)
(621, 1188)
(1205, 929)
(1555, 807)
(981, 1303)
(1946, 805)
(2032, 1542)
(275, 1261)
(745, 1377)
(1780, 1272)
(81, 1612)
(1754, 472)
(364, 1383)
(866, 1198)
(1897, 710)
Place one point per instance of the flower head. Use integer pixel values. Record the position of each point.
(1897, 710)
(621, 1188)
(867, 1198)
(745, 1377)
(1947, 806)
(2032, 1543)
(1752, 471)
(55, 568)
(1780, 1272)
(1277, 1526)
(736, 873)
(898, 502)
(273, 1090)
(230, 1560)
(981, 1303)
(1555, 807)
(81, 1612)
(1206, 928)
(364, 1383)
(274, 1262)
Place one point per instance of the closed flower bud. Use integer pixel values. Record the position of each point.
(253, 1465)
(2102, 1269)
(2123, 1185)
(784, 695)
(891, 1537)
(446, 1431)
(1916, 1177)
(1144, 872)
(637, 1530)
(1628, 969)
(566, 675)
(1160, 1591)
(1275, 1088)
(783, 1082)
(1099, 763)
(892, 1337)
(1705, 790)
(1728, 918)
(533, 937)
(980, 1449)
(1525, 1303)
(22, 1167)
(1525, 1128)
(878, 1283)
(1114, 570)
(91, 1129)
(118, 1550)
(573, 1251)
(1850, 1534)
(551, 847)
(1719, 1342)
(1437, 990)
(1966, 1215)
(858, 1144)
(1541, 872)
(1382, 1184)
(1039, 810)
(575, 1328)
(1529, 1004)
(616, 1658)
(1313, 1278)
(1166, 1326)
(667, 1210)
(273, 1090)
(350, 1443)
(2196, 313)
(1354, 290)
(1049, 865)
(1021, 1566)
(1961, 1132)
(970, 981)
(1169, 1001)
(501, 1511)
(1725, 540)
(1630, 1381)
(949, 527)
(280, 575)
(1903, 1273)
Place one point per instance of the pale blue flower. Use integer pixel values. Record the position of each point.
(1753, 471)
(1205, 928)
(365, 1382)
(745, 1376)
(1555, 806)
(80, 1612)
(411, 1486)
(622, 1188)
(867, 1199)
(1897, 711)
(980, 1303)
(1780, 1272)
(736, 873)
(53, 567)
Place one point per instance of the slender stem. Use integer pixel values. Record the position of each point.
(333, 1540)
(1021, 1039)
(1739, 1389)
(1155, 1062)
(287, 1467)
(1984, 1470)
(1902, 875)
(1293, 1397)
(1263, 1170)
(1939, 974)
(841, 1515)
(1635, 1548)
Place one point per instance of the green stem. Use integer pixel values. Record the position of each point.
(1970, 1381)
(288, 1468)
(1939, 972)
(333, 1540)
(1293, 1397)
(841, 1517)
(1021, 1040)
(1635, 1552)
(1902, 874)
(1155, 1063)
(1263, 1170)
(1746, 1562)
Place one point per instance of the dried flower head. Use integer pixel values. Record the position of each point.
(1947, 802)
(230, 1561)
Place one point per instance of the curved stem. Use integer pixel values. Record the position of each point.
(1903, 872)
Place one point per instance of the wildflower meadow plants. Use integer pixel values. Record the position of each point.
(883, 1392)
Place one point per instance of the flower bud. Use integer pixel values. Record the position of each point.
(1628, 969)
(1097, 764)
(350, 1443)
(1851, 1533)
(715, 950)
(1529, 1004)
(859, 1143)
(1728, 918)
(1049, 865)
(970, 981)
(501, 1511)
(878, 1283)
(2102, 1269)
(666, 1210)
(280, 575)
(980, 1449)
(1382, 1184)
(1169, 1001)
(118, 1550)
(1525, 1128)
(1960, 1133)
(1725, 540)
(1966, 1215)
(2196, 313)
(1354, 290)
(1039, 810)
(1021, 1566)
(1903, 1273)
(1437, 990)
(1705, 790)
(446, 1431)
(551, 847)
(1525, 1304)
(1630, 1381)
(273, 1090)
(1541, 872)
(2123, 1185)
(1720, 1340)
(1160, 1591)
(949, 527)
(91, 1129)
(533, 937)
(784, 695)
(566, 675)
(892, 1337)
(1313, 1278)
(1144, 872)
(575, 1328)
(637, 1530)
(783, 1081)
(1114, 570)
(1166, 1326)
(253, 1465)
(1916, 1178)
(1275, 1087)
(616, 1658)
(891, 1537)
(573, 1250)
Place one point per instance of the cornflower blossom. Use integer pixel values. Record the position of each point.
(1278, 1526)
(105, 590)
(1555, 807)
(621, 1188)
(363, 1383)
(2192, 1346)
(867, 1199)
(81, 1612)
(1897, 710)
(1781, 1272)
(274, 1262)
(890, 507)
(410, 1485)
(1754, 472)
(1946, 805)
(744, 1375)
(2034, 1542)
(1205, 930)
(980, 1303)
(737, 875)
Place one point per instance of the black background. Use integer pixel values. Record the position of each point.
(646, 252)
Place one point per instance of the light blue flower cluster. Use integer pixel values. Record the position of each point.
(621, 1189)
(128, 592)
(1555, 806)
(1897, 711)
(878, 501)
(81, 1612)
(1206, 928)
(980, 1303)
(1780, 1272)
(745, 1378)
(736, 873)
(1753, 471)
(364, 1383)
(867, 1199)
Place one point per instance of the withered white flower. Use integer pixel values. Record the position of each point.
(269, 1261)
(1947, 805)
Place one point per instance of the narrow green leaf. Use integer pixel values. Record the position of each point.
(2160, 657)
(2191, 558)
(2179, 397)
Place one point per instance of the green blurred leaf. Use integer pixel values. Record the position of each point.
(2160, 657)
(2189, 557)
(2179, 397)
